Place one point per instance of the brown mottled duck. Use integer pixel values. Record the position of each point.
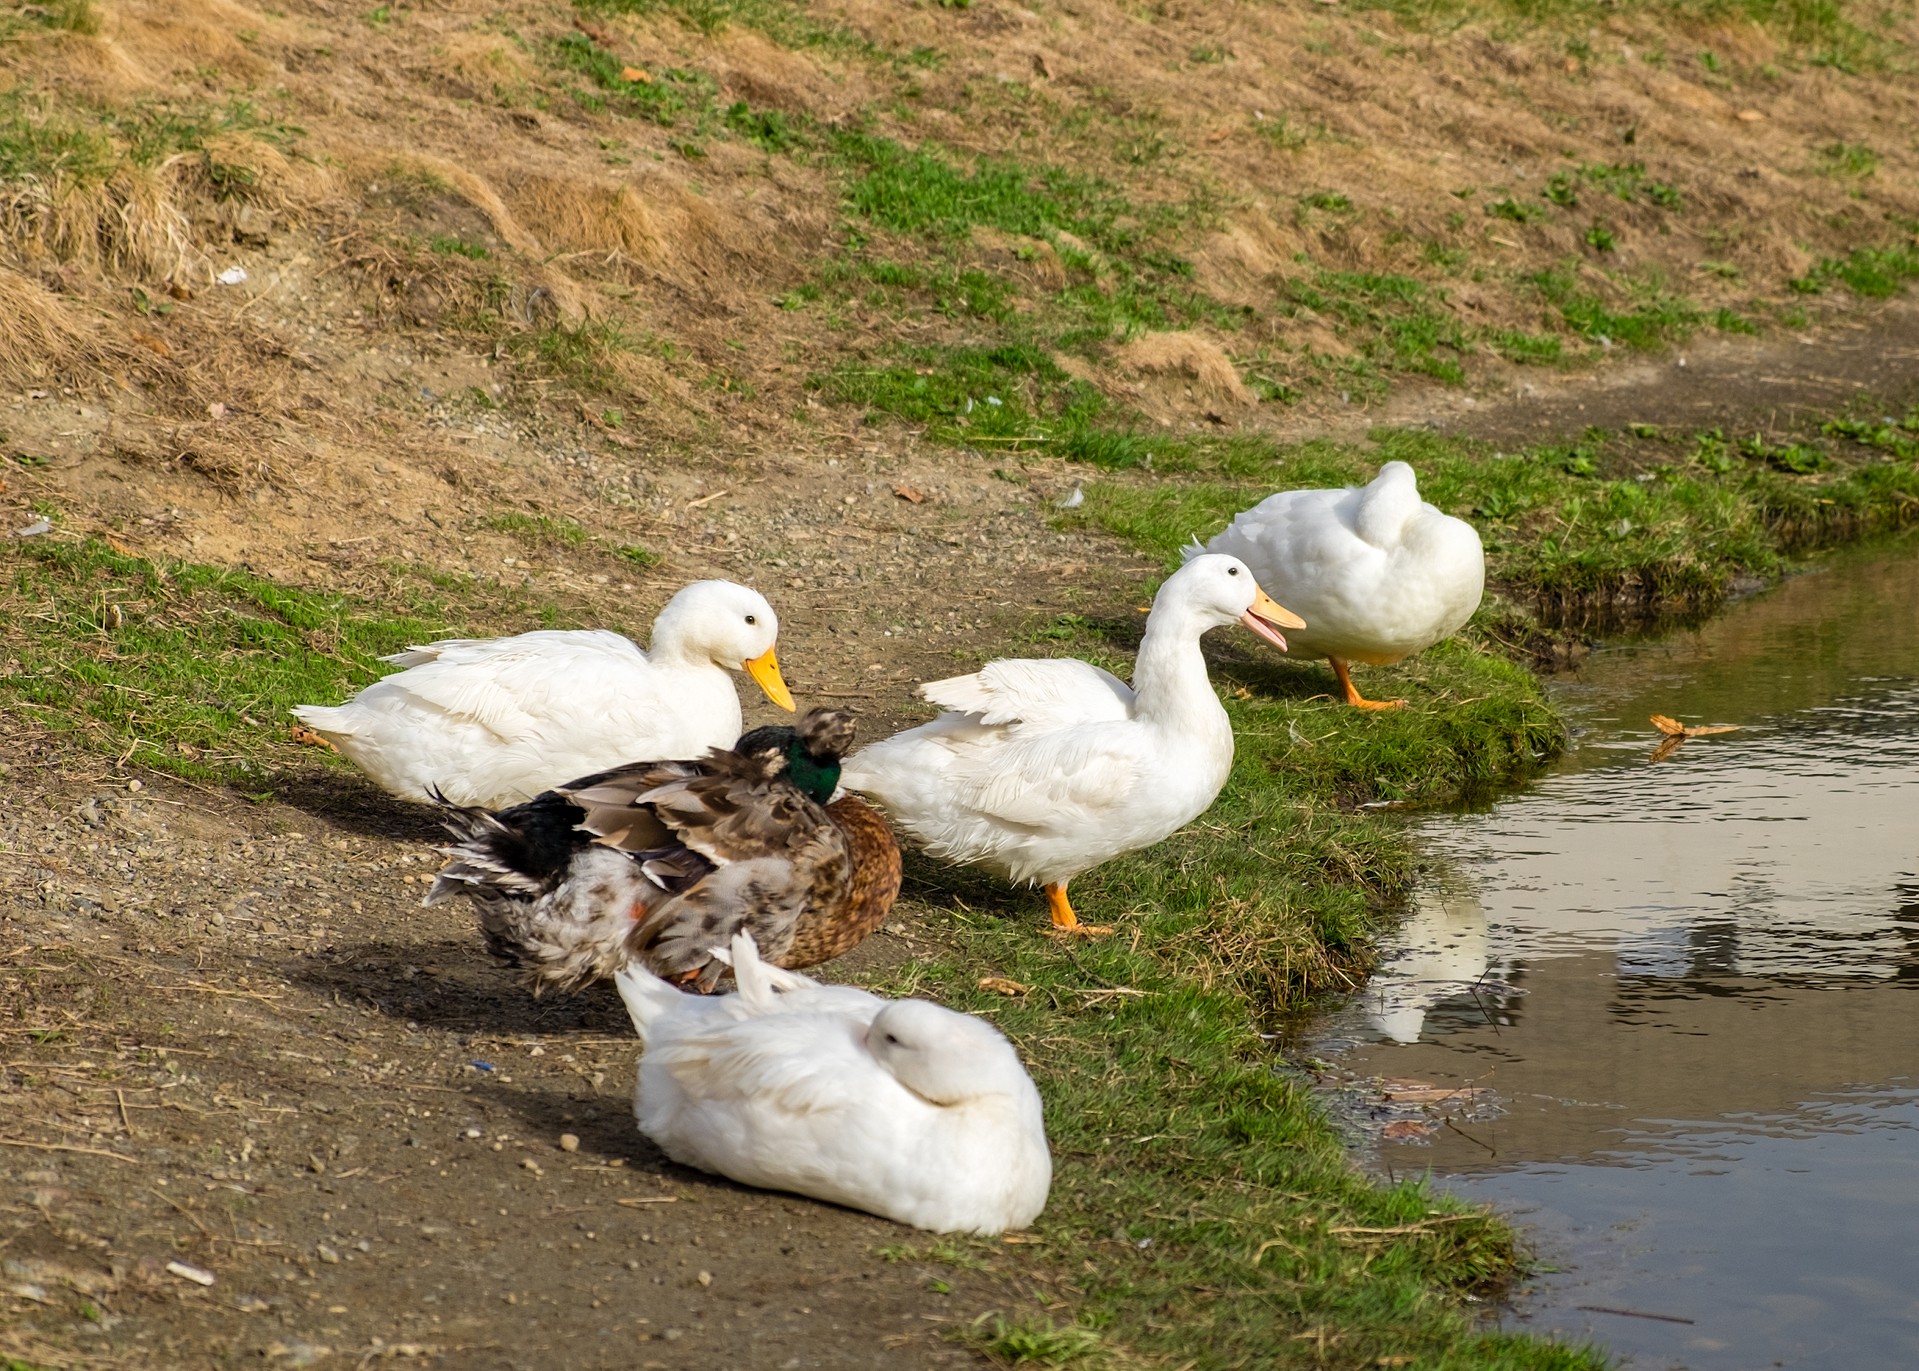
(661, 863)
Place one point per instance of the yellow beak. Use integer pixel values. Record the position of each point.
(765, 669)
(1267, 617)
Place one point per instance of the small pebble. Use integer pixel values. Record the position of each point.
(569, 1142)
(705, 1278)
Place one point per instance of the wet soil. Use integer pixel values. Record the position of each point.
(1771, 383)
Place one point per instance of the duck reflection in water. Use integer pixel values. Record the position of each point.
(1441, 951)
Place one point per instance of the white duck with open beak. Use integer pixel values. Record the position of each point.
(1041, 769)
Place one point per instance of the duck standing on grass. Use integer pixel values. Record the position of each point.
(1378, 573)
(657, 863)
(897, 1107)
(1042, 769)
(494, 721)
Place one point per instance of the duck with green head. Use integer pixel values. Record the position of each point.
(661, 863)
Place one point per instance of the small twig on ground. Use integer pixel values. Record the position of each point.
(67, 1147)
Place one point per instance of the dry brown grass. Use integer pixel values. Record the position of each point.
(42, 338)
(1197, 361)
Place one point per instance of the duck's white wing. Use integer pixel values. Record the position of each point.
(515, 687)
(1053, 778)
(1044, 692)
(796, 1064)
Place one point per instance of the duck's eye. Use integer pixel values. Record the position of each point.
(1230, 571)
(893, 1040)
(751, 620)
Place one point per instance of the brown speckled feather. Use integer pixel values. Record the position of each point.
(773, 855)
(833, 928)
(661, 862)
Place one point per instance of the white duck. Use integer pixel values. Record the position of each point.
(1378, 573)
(1042, 769)
(898, 1107)
(495, 721)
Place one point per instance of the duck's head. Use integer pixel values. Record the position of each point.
(811, 750)
(729, 625)
(944, 1057)
(1219, 589)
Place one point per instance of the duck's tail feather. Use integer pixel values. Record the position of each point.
(521, 850)
(330, 721)
(548, 899)
(1196, 549)
(646, 995)
(758, 981)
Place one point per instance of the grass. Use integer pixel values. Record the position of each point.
(83, 144)
(1825, 32)
(190, 669)
(539, 530)
(1874, 272)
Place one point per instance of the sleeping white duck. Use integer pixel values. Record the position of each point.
(495, 721)
(1042, 769)
(1378, 573)
(897, 1107)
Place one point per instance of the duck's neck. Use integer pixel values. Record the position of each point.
(668, 646)
(1170, 687)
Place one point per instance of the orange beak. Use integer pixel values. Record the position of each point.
(765, 669)
(1267, 617)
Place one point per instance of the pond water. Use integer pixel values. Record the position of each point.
(1666, 1013)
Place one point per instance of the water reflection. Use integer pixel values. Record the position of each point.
(1678, 999)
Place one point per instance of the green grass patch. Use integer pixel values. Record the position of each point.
(1398, 322)
(1845, 34)
(192, 669)
(787, 24)
(1648, 317)
(1874, 272)
(545, 530)
(585, 354)
(84, 142)
(670, 96)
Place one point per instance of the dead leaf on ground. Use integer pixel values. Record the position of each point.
(308, 738)
(1000, 985)
(910, 495)
(153, 344)
(645, 78)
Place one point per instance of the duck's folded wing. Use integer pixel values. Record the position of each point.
(508, 685)
(1044, 780)
(725, 807)
(761, 854)
(1045, 692)
(796, 1065)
